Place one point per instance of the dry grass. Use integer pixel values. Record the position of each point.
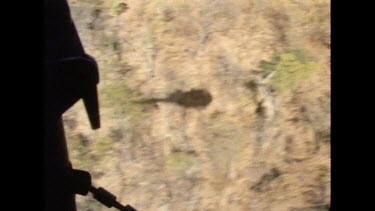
(203, 159)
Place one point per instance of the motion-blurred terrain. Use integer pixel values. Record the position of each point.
(207, 104)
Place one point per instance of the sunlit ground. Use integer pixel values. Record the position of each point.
(207, 105)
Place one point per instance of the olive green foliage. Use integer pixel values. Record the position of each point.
(290, 69)
(177, 163)
(121, 99)
(88, 153)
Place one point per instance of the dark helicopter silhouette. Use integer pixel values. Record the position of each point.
(193, 98)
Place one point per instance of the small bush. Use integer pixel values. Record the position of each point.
(120, 98)
(290, 69)
(177, 163)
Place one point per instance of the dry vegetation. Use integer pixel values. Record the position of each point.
(261, 143)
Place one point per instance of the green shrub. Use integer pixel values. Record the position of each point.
(290, 69)
(177, 163)
(120, 98)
